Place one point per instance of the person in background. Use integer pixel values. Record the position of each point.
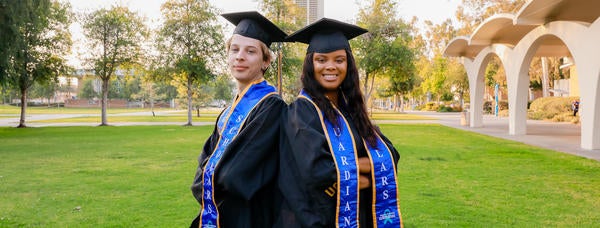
(337, 168)
(236, 176)
(575, 107)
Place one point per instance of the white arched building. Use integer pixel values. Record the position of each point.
(561, 28)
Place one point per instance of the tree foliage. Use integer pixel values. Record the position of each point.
(33, 44)
(385, 51)
(289, 17)
(190, 43)
(87, 90)
(115, 36)
(471, 13)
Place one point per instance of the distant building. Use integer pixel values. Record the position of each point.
(314, 9)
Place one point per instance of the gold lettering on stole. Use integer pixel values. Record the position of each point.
(330, 191)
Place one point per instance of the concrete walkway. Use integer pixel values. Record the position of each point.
(563, 137)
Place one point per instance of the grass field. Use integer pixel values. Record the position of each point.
(8, 109)
(146, 118)
(139, 176)
(120, 115)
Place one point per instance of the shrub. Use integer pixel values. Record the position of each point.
(444, 108)
(431, 106)
(552, 108)
(488, 106)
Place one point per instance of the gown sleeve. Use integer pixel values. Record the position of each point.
(251, 160)
(207, 150)
(389, 144)
(307, 167)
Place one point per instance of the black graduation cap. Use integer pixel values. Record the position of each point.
(254, 25)
(326, 35)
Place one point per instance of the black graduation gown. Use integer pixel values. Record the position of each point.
(308, 169)
(245, 177)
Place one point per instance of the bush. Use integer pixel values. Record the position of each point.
(434, 106)
(431, 106)
(557, 109)
(444, 108)
(488, 106)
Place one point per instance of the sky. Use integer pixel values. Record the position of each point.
(344, 10)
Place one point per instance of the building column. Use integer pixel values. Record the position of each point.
(476, 89)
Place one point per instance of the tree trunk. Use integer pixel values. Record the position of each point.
(23, 107)
(369, 90)
(366, 83)
(105, 83)
(545, 89)
(152, 106)
(401, 102)
(189, 101)
(461, 98)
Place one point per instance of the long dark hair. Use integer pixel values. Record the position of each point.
(350, 98)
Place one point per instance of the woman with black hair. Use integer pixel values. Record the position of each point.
(337, 169)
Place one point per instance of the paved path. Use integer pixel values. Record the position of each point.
(563, 137)
(13, 120)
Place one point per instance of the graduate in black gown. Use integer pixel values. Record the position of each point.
(237, 170)
(337, 168)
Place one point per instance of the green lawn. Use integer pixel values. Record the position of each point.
(116, 119)
(8, 109)
(397, 116)
(139, 176)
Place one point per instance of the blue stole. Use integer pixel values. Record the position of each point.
(228, 125)
(386, 207)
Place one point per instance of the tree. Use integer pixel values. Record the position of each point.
(223, 88)
(87, 91)
(45, 90)
(457, 80)
(34, 41)
(288, 16)
(114, 37)
(385, 50)
(403, 75)
(148, 93)
(471, 13)
(190, 43)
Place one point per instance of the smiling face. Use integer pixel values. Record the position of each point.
(330, 69)
(246, 59)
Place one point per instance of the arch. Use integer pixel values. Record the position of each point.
(476, 72)
(540, 28)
